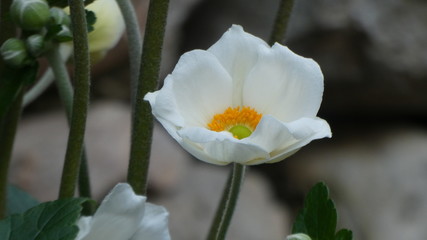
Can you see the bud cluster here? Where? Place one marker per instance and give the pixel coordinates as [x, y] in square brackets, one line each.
[41, 26]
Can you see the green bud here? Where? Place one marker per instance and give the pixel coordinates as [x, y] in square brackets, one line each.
[298, 236]
[14, 52]
[64, 35]
[58, 16]
[35, 44]
[30, 14]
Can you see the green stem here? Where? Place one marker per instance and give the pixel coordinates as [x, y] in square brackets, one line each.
[228, 202]
[142, 120]
[39, 87]
[135, 43]
[281, 22]
[9, 122]
[65, 90]
[80, 102]
[7, 136]
[62, 78]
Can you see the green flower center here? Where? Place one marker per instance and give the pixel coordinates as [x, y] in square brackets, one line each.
[240, 131]
[240, 121]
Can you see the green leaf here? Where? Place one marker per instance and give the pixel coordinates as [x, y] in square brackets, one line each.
[318, 219]
[11, 82]
[90, 20]
[344, 234]
[18, 201]
[47, 221]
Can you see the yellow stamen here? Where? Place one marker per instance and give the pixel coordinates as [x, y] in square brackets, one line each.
[240, 121]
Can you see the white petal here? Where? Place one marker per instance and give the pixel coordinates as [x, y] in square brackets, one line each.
[109, 25]
[84, 225]
[304, 131]
[270, 135]
[119, 215]
[201, 87]
[284, 85]
[165, 109]
[238, 52]
[222, 147]
[154, 225]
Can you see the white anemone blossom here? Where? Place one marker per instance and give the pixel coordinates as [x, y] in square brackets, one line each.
[123, 215]
[242, 101]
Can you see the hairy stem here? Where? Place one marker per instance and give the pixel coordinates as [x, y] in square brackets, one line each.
[65, 90]
[80, 102]
[228, 202]
[281, 22]
[142, 123]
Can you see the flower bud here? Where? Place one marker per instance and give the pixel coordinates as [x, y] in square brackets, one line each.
[58, 16]
[30, 14]
[35, 44]
[298, 236]
[14, 52]
[64, 35]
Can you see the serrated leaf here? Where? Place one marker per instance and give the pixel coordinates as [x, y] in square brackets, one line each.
[47, 221]
[344, 234]
[318, 219]
[11, 81]
[90, 20]
[18, 201]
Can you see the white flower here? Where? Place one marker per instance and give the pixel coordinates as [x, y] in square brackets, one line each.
[242, 101]
[298, 236]
[108, 29]
[123, 215]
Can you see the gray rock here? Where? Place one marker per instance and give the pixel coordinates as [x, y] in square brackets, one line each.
[193, 205]
[41, 142]
[367, 50]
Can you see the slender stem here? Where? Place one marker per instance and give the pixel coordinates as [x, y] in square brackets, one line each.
[80, 102]
[135, 43]
[84, 185]
[281, 22]
[65, 90]
[62, 78]
[228, 203]
[142, 123]
[39, 87]
[9, 122]
[7, 136]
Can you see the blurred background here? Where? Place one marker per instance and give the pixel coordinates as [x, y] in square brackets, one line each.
[373, 54]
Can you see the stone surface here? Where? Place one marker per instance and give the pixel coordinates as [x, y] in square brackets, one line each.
[41, 142]
[257, 215]
[367, 50]
[377, 179]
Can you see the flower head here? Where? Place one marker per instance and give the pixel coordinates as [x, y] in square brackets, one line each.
[108, 29]
[242, 101]
[123, 215]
